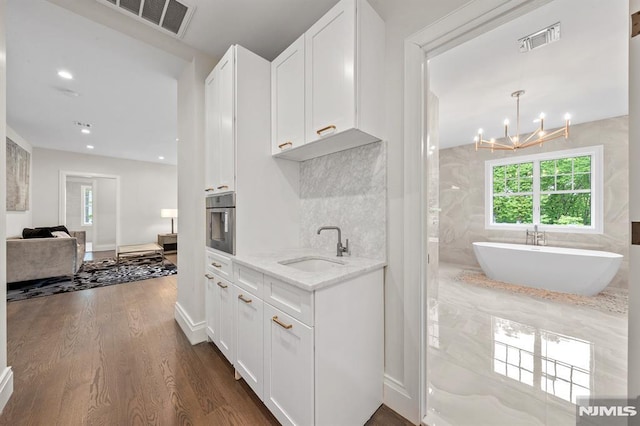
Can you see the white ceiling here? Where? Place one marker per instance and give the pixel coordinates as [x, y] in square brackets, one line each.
[127, 87]
[584, 74]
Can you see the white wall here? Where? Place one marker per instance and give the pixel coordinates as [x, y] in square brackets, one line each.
[191, 239]
[634, 210]
[402, 301]
[145, 188]
[104, 214]
[17, 221]
[6, 377]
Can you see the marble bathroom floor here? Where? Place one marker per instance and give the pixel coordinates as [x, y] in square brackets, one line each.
[499, 358]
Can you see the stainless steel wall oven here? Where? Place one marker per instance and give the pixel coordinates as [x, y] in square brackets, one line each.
[221, 222]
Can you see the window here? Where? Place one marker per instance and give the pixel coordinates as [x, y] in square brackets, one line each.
[87, 205]
[559, 191]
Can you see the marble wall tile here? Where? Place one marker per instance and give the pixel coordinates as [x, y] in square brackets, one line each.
[462, 196]
[347, 189]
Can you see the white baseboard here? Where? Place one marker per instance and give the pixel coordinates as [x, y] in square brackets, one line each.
[6, 387]
[103, 247]
[399, 400]
[195, 332]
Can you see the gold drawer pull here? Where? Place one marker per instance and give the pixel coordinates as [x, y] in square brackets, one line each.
[282, 145]
[281, 324]
[247, 301]
[209, 189]
[221, 285]
[209, 277]
[216, 265]
[324, 129]
[223, 187]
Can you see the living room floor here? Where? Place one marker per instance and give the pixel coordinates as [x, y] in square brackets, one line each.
[115, 355]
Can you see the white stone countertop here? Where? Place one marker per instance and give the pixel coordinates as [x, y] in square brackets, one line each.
[268, 263]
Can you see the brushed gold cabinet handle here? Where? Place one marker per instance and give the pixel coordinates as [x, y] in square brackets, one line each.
[221, 285]
[282, 145]
[281, 324]
[216, 265]
[324, 129]
[209, 189]
[209, 277]
[223, 187]
[241, 297]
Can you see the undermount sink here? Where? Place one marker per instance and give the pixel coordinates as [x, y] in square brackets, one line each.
[312, 264]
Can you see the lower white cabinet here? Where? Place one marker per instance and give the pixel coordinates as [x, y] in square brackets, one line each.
[220, 315]
[249, 339]
[288, 368]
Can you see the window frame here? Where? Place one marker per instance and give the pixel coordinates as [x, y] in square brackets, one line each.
[597, 193]
[83, 189]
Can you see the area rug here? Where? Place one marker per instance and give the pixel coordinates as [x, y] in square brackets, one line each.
[93, 274]
[609, 300]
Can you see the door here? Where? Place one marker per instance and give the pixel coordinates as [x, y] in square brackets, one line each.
[225, 337]
[287, 98]
[289, 369]
[330, 72]
[249, 342]
[226, 142]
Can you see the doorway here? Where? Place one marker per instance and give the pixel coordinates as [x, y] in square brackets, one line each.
[90, 202]
[539, 347]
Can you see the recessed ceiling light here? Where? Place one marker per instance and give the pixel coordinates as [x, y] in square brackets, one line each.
[85, 131]
[161, 158]
[65, 74]
[90, 146]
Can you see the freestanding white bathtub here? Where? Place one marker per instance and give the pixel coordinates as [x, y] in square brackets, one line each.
[566, 270]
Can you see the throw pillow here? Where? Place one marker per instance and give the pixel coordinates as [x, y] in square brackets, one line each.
[60, 234]
[36, 233]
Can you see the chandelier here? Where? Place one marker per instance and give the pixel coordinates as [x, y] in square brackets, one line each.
[511, 143]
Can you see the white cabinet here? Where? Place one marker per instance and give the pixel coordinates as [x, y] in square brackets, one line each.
[220, 129]
[287, 98]
[249, 344]
[343, 79]
[288, 368]
[219, 311]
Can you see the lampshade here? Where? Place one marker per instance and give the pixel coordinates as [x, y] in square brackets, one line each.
[168, 212]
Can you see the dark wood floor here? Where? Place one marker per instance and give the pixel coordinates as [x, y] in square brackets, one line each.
[115, 356]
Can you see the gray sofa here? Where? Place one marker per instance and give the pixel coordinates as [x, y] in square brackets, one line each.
[36, 258]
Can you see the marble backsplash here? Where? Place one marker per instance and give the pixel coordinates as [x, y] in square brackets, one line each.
[462, 196]
[347, 189]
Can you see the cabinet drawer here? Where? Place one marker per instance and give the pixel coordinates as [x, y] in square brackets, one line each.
[220, 265]
[291, 300]
[249, 279]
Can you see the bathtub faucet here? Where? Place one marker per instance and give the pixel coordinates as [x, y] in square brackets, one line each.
[536, 237]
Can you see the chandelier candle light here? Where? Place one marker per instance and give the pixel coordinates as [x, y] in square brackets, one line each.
[538, 137]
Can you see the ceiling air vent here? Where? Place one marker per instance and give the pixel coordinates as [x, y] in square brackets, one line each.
[540, 38]
[169, 16]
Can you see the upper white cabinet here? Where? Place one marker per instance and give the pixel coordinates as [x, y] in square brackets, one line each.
[343, 72]
[220, 129]
[287, 98]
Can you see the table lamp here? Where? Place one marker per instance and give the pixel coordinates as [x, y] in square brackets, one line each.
[172, 213]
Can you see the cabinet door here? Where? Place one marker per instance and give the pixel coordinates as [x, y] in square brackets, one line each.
[212, 130]
[210, 307]
[330, 72]
[287, 98]
[226, 144]
[249, 343]
[225, 338]
[288, 360]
